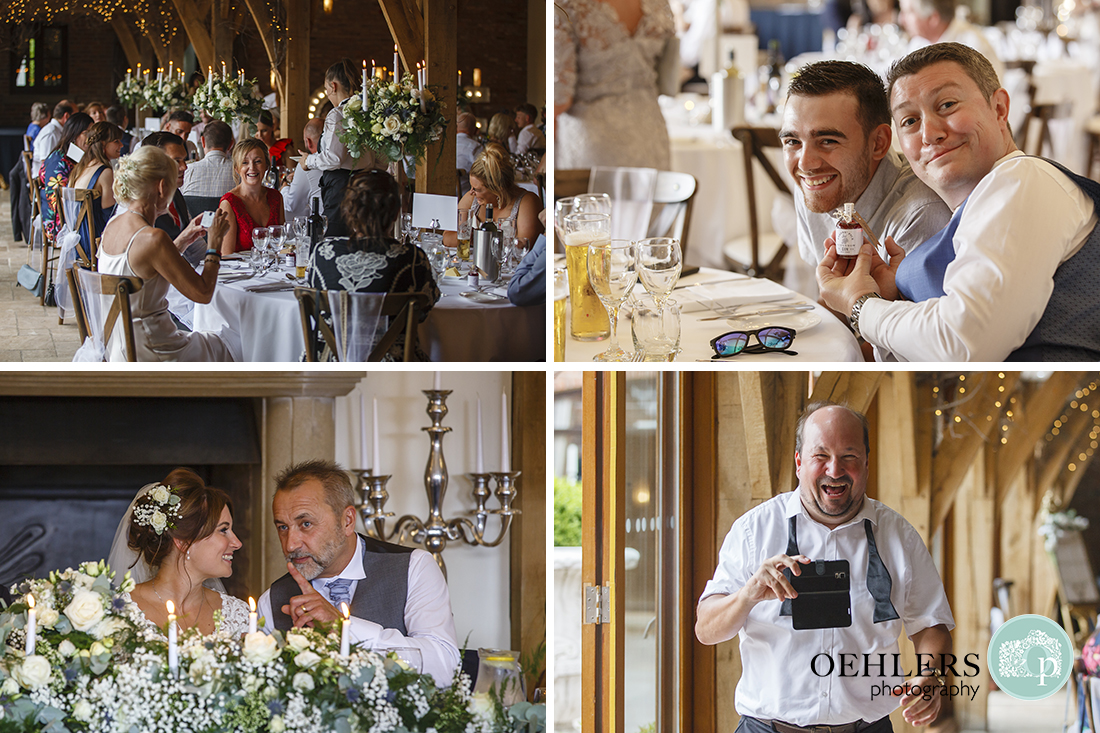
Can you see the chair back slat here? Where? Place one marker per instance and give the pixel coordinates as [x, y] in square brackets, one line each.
[755, 141]
[104, 301]
[338, 321]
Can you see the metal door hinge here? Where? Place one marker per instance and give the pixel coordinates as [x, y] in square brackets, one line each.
[597, 604]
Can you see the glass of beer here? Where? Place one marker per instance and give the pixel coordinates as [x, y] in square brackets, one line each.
[588, 319]
[464, 235]
[561, 294]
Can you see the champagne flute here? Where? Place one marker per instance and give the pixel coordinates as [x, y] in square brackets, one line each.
[660, 261]
[612, 270]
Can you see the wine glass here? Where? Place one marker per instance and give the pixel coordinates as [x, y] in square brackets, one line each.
[259, 242]
[660, 261]
[592, 203]
[277, 237]
[562, 208]
[612, 270]
[410, 655]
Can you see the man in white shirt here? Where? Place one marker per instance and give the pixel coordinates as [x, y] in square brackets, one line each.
[306, 184]
[939, 21]
[213, 175]
[787, 683]
[467, 148]
[47, 138]
[397, 595]
[1012, 276]
[180, 123]
[529, 135]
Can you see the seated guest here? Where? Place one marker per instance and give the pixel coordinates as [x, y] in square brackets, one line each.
[265, 128]
[46, 141]
[371, 260]
[500, 131]
[467, 148]
[305, 185]
[213, 174]
[96, 111]
[40, 117]
[180, 224]
[529, 136]
[528, 283]
[937, 21]
[836, 142]
[103, 143]
[117, 115]
[180, 123]
[145, 183]
[493, 181]
[1012, 275]
[57, 165]
[250, 204]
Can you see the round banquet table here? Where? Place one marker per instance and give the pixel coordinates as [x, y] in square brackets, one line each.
[829, 340]
[265, 326]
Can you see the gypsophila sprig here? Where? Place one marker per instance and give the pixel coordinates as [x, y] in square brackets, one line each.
[158, 509]
[228, 100]
[131, 91]
[398, 119]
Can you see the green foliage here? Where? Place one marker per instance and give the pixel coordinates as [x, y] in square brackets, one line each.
[567, 513]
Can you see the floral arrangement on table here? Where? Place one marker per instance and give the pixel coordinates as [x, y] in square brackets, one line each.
[96, 665]
[394, 119]
[229, 99]
[166, 94]
[1054, 524]
[131, 91]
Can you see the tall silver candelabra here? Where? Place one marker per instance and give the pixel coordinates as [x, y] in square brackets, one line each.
[434, 533]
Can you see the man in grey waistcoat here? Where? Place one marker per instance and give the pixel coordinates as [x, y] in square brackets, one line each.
[397, 595]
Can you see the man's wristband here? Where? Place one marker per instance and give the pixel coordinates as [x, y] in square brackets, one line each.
[853, 319]
[213, 253]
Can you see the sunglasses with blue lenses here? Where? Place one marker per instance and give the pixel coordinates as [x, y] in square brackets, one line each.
[773, 338]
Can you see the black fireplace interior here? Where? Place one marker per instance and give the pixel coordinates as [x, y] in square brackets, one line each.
[69, 467]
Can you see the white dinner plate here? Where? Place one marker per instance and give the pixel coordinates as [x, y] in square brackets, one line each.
[480, 297]
[800, 322]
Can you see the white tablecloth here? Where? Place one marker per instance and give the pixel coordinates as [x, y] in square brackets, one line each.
[267, 327]
[829, 340]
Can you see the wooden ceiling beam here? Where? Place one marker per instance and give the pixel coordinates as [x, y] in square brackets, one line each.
[854, 389]
[126, 38]
[406, 24]
[263, 25]
[1054, 462]
[194, 25]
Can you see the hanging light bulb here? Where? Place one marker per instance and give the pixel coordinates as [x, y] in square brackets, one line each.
[328, 6]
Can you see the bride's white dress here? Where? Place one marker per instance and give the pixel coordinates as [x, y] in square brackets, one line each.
[234, 615]
[611, 77]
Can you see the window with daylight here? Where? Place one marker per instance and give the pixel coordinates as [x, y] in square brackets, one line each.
[40, 61]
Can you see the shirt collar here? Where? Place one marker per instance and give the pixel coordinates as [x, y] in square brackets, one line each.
[354, 568]
[794, 507]
[889, 168]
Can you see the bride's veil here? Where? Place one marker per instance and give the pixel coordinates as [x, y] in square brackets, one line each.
[122, 558]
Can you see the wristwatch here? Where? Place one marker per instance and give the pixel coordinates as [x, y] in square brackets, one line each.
[853, 319]
[933, 672]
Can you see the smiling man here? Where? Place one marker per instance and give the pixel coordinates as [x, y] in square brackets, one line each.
[397, 595]
[1012, 276]
[788, 684]
[836, 144]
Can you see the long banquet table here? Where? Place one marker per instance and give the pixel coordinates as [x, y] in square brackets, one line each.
[828, 340]
[265, 326]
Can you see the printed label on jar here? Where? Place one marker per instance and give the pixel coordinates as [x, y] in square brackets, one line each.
[848, 242]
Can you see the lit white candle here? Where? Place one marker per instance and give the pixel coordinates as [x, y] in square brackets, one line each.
[252, 615]
[375, 464]
[32, 625]
[396, 64]
[505, 458]
[345, 630]
[480, 452]
[171, 68]
[173, 641]
[373, 69]
[460, 78]
[160, 79]
[364, 83]
[223, 71]
[362, 431]
[209, 78]
[128, 75]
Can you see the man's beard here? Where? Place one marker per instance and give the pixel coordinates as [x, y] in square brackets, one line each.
[320, 560]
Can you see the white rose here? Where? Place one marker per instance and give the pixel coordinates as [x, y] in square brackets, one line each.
[303, 682]
[260, 648]
[480, 704]
[108, 627]
[297, 642]
[226, 103]
[158, 521]
[67, 648]
[160, 494]
[276, 725]
[47, 617]
[391, 126]
[376, 129]
[97, 649]
[83, 710]
[10, 687]
[85, 610]
[307, 659]
[34, 672]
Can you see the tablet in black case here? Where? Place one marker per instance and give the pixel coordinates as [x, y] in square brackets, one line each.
[824, 595]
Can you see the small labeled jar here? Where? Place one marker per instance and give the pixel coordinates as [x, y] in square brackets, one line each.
[849, 234]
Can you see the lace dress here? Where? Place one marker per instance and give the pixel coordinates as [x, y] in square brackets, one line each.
[234, 615]
[611, 78]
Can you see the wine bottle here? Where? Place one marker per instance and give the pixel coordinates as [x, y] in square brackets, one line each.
[316, 224]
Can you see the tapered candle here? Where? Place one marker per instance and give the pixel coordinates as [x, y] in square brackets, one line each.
[345, 630]
[477, 77]
[171, 67]
[374, 462]
[436, 382]
[32, 626]
[128, 75]
[209, 78]
[505, 458]
[480, 452]
[362, 431]
[460, 78]
[223, 71]
[373, 69]
[364, 84]
[173, 642]
[396, 64]
[252, 615]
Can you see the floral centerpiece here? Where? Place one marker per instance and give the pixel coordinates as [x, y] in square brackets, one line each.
[1054, 524]
[131, 91]
[166, 94]
[227, 100]
[99, 666]
[396, 119]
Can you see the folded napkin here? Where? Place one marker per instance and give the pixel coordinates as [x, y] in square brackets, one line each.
[737, 292]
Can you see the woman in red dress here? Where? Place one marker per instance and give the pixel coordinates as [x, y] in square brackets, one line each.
[250, 203]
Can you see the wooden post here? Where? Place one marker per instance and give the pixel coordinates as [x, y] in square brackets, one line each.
[771, 403]
[1017, 539]
[295, 103]
[437, 172]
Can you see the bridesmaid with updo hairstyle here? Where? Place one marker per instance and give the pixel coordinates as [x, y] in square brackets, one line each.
[182, 533]
[493, 181]
[332, 156]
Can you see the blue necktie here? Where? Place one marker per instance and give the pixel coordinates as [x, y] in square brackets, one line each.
[339, 591]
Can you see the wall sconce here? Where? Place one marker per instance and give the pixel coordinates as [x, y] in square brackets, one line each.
[328, 7]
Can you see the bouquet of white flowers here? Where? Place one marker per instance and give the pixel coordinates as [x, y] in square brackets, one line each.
[229, 100]
[131, 91]
[167, 94]
[397, 119]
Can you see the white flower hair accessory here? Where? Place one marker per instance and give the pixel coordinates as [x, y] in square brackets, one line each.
[158, 509]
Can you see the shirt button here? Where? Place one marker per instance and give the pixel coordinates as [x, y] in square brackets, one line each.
[824, 694]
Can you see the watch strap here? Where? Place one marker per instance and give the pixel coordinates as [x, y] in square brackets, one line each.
[857, 307]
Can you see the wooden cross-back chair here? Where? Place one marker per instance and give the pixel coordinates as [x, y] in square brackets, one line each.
[765, 252]
[321, 321]
[32, 190]
[82, 199]
[99, 301]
